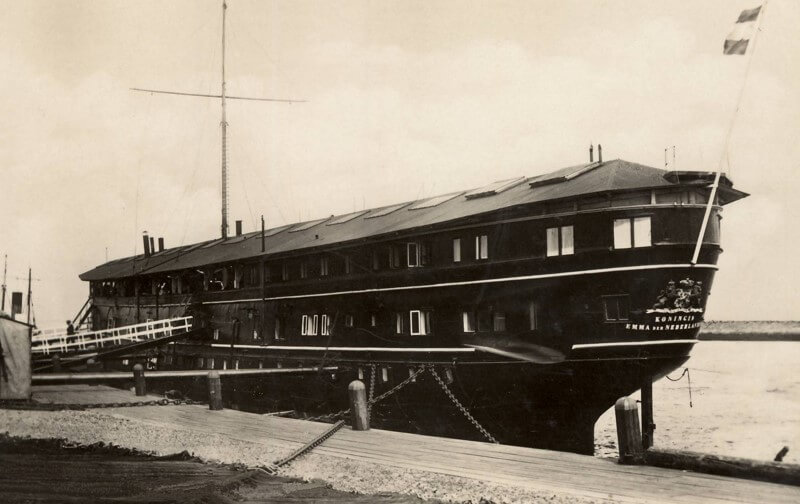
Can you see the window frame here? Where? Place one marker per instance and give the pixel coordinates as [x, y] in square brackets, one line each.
[560, 248]
[456, 250]
[482, 247]
[617, 298]
[632, 240]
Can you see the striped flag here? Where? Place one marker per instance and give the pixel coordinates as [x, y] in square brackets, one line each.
[744, 29]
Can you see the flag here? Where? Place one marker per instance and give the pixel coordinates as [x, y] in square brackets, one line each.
[744, 29]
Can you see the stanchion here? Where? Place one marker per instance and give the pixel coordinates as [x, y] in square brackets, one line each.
[629, 434]
[358, 405]
[214, 391]
[138, 380]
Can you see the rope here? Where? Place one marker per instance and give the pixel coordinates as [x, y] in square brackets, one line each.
[688, 377]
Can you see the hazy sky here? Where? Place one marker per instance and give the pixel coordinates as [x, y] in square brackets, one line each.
[405, 99]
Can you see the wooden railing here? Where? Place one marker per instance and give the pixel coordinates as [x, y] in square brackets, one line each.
[57, 340]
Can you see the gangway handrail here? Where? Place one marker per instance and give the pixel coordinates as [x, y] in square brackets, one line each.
[62, 342]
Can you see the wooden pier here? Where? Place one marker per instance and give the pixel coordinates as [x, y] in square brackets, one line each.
[561, 473]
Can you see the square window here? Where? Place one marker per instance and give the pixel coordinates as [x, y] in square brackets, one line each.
[616, 308]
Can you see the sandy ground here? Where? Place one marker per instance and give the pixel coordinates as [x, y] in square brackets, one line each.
[89, 427]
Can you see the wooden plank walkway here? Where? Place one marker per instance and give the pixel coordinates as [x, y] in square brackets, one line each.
[542, 470]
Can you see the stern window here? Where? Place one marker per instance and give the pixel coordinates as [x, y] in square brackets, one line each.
[616, 308]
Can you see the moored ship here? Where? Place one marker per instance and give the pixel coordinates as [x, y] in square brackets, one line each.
[539, 300]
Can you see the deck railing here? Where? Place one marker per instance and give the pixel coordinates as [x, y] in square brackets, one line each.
[55, 340]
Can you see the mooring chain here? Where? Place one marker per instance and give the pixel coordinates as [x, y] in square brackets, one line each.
[461, 406]
[371, 388]
[275, 466]
[370, 402]
[87, 406]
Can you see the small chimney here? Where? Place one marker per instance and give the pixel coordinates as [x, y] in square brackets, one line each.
[160, 244]
[591, 153]
[238, 228]
[146, 242]
[152, 245]
[599, 153]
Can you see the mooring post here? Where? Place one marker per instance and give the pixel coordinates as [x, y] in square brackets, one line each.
[56, 363]
[629, 435]
[214, 391]
[648, 427]
[358, 405]
[138, 380]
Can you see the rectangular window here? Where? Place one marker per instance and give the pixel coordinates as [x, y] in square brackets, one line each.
[376, 260]
[326, 325]
[533, 315]
[632, 232]
[622, 233]
[468, 319]
[267, 274]
[498, 322]
[616, 308]
[567, 240]
[419, 322]
[373, 320]
[216, 334]
[641, 232]
[412, 253]
[482, 247]
[348, 264]
[315, 326]
[278, 328]
[323, 266]
[211, 363]
[560, 241]
[304, 325]
[285, 272]
[484, 321]
[348, 321]
[394, 256]
[456, 250]
[399, 323]
[303, 269]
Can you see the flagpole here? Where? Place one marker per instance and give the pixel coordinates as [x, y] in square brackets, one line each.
[718, 174]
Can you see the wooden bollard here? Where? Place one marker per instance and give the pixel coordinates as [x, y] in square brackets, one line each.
[629, 435]
[56, 363]
[214, 391]
[138, 380]
[358, 405]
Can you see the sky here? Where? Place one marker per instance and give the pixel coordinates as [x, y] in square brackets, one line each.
[404, 99]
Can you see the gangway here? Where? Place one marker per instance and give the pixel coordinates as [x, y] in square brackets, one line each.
[58, 341]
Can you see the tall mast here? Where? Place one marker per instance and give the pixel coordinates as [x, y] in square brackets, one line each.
[224, 125]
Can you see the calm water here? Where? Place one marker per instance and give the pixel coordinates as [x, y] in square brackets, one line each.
[745, 403]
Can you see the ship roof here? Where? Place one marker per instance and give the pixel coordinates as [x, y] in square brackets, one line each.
[567, 183]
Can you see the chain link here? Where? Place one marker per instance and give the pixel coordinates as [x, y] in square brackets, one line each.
[461, 407]
[371, 389]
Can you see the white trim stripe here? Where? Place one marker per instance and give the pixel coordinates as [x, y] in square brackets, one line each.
[345, 349]
[636, 343]
[474, 282]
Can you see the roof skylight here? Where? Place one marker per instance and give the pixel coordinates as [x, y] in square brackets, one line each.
[385, 211]
[432, 202]
[494, 188]
[346, 218]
